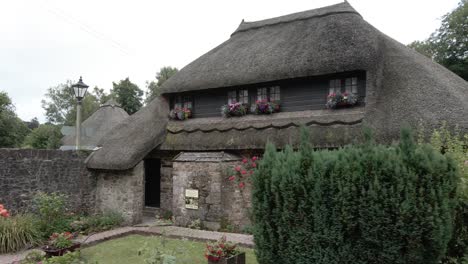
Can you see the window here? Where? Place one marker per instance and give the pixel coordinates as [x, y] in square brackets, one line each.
[275, 93]
[351, 85]
[183, 102]
[262, 94]
[244, 96]
[335, 86]
[232, 97]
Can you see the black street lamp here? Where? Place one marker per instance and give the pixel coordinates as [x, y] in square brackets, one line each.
[80, 91]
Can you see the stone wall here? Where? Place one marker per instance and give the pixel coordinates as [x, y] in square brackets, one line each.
[122, 191]
[220, 202]
[166, 185]
[23, 172]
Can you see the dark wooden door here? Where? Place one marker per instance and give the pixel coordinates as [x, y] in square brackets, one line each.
[152, 182]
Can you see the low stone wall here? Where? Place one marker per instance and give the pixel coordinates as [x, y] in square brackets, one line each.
[220, 202]
[23, 172]
[123, 192]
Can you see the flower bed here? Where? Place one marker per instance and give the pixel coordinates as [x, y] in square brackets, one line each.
[60, 243]
[240, 174]
[180, 113]
[223, 252]
[265, 107]
[234, 109]
[336, 100]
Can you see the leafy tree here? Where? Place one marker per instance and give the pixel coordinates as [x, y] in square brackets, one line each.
[154, 87]
[46, 136]
[12, 129]
[128, 95]
[448, 45]
[34, 123]
[60, 104]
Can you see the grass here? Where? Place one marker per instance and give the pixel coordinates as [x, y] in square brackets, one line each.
[125, 250]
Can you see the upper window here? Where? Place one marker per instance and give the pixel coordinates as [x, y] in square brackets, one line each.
[183, 102]
[335, 86]
[262, 94]
[232, 97]
[275, 93]
[244, 96]
[351, 85]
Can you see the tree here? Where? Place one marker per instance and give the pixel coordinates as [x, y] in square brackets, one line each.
[154, 87]
[128, 95]
[60, 104]
[12, 129]
[448, 45]
[46, 136]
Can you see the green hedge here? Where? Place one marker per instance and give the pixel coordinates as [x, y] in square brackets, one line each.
[361, 204]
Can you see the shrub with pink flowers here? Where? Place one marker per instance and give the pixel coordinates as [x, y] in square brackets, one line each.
[240, 174]
[4, 212]
[234, 109]
[335, 100]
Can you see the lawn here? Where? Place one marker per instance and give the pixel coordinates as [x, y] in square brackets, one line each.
[125, 250]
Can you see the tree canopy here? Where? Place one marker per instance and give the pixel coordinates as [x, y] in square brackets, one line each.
[46, 136]
[128, 95]
[448, 45]
[154, 87]
[12, 129]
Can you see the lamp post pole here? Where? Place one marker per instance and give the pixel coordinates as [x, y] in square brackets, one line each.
[78, 125]
[80, 91]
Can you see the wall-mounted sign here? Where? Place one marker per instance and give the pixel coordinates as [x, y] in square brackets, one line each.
[191, 199]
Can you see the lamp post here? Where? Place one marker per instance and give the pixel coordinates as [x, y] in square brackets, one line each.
[79, 89]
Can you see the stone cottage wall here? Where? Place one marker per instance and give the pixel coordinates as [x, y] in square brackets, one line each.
[166, 185]
[122, 191]
[23, 172]
[220, 202]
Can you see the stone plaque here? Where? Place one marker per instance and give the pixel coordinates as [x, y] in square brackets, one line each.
[191, 199]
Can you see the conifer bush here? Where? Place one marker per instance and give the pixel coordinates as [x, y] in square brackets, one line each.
[360, 204]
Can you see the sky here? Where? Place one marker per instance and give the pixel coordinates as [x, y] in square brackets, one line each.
[46, 42]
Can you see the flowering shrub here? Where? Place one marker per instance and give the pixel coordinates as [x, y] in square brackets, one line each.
[240, 174]
[4, 212]
[335, 100]
[61, 240]
[265, 107]
[215, 251]
[234, 109]
[180, 113]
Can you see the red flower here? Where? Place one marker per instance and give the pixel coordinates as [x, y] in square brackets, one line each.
[251, 172]
[254, 165]
[238, 168]
[244, 160]
[254, 158]
[232, 178]
[241, 185]
[243, 172]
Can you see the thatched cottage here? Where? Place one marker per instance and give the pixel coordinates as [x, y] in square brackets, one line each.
[296, 60]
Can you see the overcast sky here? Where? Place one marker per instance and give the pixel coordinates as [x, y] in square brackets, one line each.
[46, 42]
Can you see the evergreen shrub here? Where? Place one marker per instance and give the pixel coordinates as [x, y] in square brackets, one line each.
[360, 204]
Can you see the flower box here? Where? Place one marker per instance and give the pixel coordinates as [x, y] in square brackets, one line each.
[53, 252]
[338, 100]
[180, 113]
[234, 109]
[237, 259]
[264, 107]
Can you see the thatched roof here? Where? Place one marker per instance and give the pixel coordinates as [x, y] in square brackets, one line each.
[402, 86]
[130, 141]
[97, 125]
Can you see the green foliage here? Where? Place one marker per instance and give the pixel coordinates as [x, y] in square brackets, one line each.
[156, 255]
[68, 258]
[105, 221]
[448, 44]
[195, 224]
[46, 136]
[128, 95]
[154, 87]
[12, 129]
[60, 104]
[18, 232]
[33, 257]
[454, 144]
[52, 213]
[360, 204]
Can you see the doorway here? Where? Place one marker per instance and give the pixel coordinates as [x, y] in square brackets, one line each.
[152, 182]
